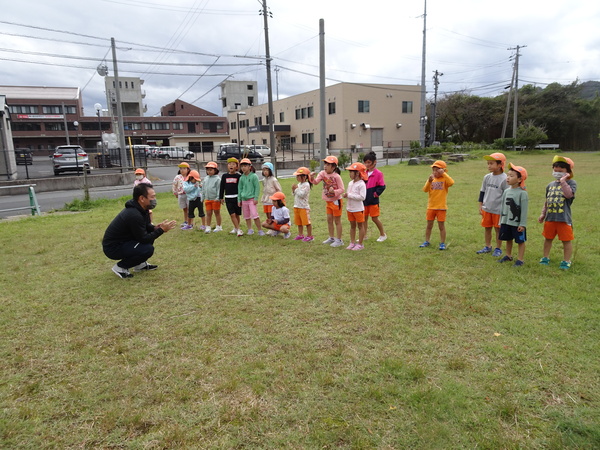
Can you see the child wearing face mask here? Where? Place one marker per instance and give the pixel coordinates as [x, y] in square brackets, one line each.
[556, 213]
[140, 177]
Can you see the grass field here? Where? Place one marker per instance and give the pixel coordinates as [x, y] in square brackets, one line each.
[264, 343]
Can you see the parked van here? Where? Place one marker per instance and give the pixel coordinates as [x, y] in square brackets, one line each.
[173, 152]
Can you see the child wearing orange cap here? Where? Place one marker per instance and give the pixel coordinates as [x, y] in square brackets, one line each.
[248, 194]
[356, 194]
[301, 191]
[228, 194]
[184, 170]
[333, 188]
[490, 201]
[210, 194]
[279, 222]
[437, 187]
[513, 215]
[192, 189]
[140, 177]
[556, 213]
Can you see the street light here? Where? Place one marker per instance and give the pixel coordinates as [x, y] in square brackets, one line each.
[76, 126]
[241, 113]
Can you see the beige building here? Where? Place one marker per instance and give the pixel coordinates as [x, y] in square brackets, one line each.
[131, 92]
[358, 117]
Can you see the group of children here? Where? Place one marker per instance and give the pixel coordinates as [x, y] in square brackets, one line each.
[503, 205]
[239, 190]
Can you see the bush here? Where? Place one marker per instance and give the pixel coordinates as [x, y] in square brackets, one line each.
[503, 143]
[344, 159]
[314, 164]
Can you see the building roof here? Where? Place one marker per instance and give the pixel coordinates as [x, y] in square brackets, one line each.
[40, 92]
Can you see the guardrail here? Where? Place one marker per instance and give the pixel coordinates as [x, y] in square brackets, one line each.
[34, 207]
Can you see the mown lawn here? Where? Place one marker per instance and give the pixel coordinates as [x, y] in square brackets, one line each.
[263, 343]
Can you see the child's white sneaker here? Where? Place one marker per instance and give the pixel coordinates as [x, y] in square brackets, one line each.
[217, 229]
[207, 229]
[240, 232]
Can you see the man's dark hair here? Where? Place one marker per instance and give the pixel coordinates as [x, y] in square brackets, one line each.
[141, 190]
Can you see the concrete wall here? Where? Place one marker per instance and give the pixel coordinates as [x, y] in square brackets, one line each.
[67, 183]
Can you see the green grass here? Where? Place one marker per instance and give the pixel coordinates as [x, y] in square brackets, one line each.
[263, 343]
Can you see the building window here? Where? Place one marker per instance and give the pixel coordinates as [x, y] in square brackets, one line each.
[281, 117]
[311, 111]
[132, 126]
[233, 126]
[250, 101]
[267, 119]
[297, 114]
[250, 87]
[54, 126]
[156, 126]
[224, 102]
[71, 109]
[132, 87]
[363, 106]
[331, 106]
[23, 109]
[126, 85]
[25, 126]
[258, 121]
[178, 125]
[308, 138]
[332, 138]
[407, 107]
[55, 109]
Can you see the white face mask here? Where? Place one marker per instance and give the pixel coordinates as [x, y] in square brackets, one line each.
[558, 175]
[139, 177]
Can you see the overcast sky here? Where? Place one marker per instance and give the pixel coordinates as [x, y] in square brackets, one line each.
[185, 48]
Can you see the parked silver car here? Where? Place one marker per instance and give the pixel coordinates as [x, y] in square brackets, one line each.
[69, 158]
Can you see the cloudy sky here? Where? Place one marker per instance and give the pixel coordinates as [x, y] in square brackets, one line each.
[185, 48]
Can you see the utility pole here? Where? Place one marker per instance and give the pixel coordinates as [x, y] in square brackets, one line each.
[506, 112]
[423, 117]
[277, 69]
[516, 106]
[436, 82]
[322, 119]
[271, 124]
[121, 130]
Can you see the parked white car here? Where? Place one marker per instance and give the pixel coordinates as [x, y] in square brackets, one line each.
[173, 152]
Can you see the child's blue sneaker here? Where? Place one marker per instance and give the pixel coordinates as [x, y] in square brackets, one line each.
[485, 249]
[505, 259]
[565, 265]
[497, 252]
[424, 244]
[518, 263]
[442, 246]
[545, 261]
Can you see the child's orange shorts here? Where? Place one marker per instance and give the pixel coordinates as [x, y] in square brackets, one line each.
[212, 205]
[439, 214]
[371, 210]
[301, 216]
[356, 216]
[489, 220]
[333, 209]
[564, 231]
[267, 209]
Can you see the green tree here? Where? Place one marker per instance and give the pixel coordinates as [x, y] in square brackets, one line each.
[529, 135]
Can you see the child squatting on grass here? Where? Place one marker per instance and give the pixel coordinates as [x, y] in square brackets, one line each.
[210, 195]
[356, 194]
[333, 189]
[248, 194]
[556, 213]
[301, 192]
[513, 216]
[490, 202]
[437, 187]
[280, 217]
[375, 187]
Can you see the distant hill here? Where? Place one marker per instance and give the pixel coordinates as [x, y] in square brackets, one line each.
[590, 89]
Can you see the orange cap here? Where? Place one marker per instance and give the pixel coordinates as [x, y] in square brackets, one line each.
[302, 171]
[360, 168]
[140, 172]
[193, 174]
[211, 165]
[183, 164]
[522, 171]
[246, 161]
[439, 164]
[278, 196]
[331, 160]
[496, 157]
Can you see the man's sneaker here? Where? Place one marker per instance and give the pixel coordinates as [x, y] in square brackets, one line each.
[337, 243]
[239, 232]
[424, 244]
[358, 247]
[505, 258]
[250, 232]
[217, 229]
[329, 240]
[188, 227]
[497, 253]
[261, 233]
[442, 246]
[485, 249]
[518, 263]
[287, 235]
[120, 272]
[234, 231]
[144, 266]
[308, 239]
[565, 265]
[382, 238]
[351, 246]
[545, 261]
[207, 229]
[299, 238]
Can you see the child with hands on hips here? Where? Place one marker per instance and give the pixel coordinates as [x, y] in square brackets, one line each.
[333, 189]
[356, 194]
[248, 193]
[301, 192]
[279, 222]
[513, 215]
[270, 186]
[437, 186]
[556, 213]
